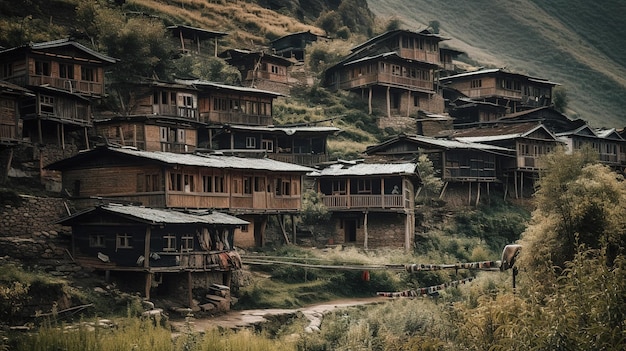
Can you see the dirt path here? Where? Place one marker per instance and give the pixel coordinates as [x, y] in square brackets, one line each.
[238, 319]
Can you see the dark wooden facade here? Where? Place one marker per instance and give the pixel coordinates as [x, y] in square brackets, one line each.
[512, 90]
[292, 46]
[359, 195]
[254, 188]
[193, 40]
[227, 104]
[606, 142]
[60, 64]
[10, 122]
[260, 70]
[303, 145]
[155, 243]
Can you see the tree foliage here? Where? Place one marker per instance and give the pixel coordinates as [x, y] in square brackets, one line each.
[430, 183]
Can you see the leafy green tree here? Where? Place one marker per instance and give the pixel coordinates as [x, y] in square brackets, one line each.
[313, 209]
[431, 184]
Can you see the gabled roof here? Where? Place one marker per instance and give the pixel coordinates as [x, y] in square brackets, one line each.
[154, 216]
[393, 33]
[502, 132]
[203, 84]
[173, 159]
[284, 130]
[392, 55]
[584, 130]
[13, 89]
[611, 134]
[494, 72]
[239, 54]
[436, 143]
[202, 33]
[307, 34]
[62, 43]
[366, 169]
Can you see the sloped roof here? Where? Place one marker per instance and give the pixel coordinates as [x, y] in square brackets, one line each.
[609, 134]
[387, 55]
[445, 144]
[392, 33]
[199, 83]
[500, 132]
[285, 130]
[365, 169]
[156, 216]
[200, 160]
[493, 71]
[202, 33]
[60, 43]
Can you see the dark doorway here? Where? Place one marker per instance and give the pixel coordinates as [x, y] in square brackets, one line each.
[349, 229]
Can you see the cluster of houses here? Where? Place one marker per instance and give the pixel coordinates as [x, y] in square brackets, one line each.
[191, 169]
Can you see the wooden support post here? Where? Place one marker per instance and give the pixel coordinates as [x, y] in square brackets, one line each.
[515, 179]
[478, 194]
[190, 289]
[146, 248]
[62, 137]
[39, 131]
[87, 139]
[182, 41]
[388, 101]
[282, 228]
[408, 103]
[148, 285]
[293, 228]
[521, 184]
[369, 101]
[443, 190]
[469, 195]
[407, 232]
[5, 172]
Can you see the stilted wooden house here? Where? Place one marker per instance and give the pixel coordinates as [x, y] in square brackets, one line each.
[468, 113]
[292, 46]
[530, 141]
[10, 124]
[228, 104]
[303, 145]
[474, 165]
[372, 205]
[251, 188]
[162, 252]
[261, 70]
[606, 142]
[193, 40]
[395, 73]
[65, 77]
[159, 116]
[513, 90]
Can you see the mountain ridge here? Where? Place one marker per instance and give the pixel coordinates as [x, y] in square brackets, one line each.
[557, 40]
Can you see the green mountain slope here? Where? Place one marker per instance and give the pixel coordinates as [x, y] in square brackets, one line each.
[576, 43]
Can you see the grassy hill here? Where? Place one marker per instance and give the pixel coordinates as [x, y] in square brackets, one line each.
[576, 43]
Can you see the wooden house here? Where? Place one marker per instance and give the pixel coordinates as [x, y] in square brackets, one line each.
[457, 163]
[303, 145]
[60, 64]
[554, 120]
[530, 140]
[372, 204]
[512, 90]
[446, 58]
[228, 104]
[10, 124]
[260, 70]
[394, 72]
[468, 113]
[159, 250]
[292, 46]
[606, 142]
[159, 116]
[193, 40]
[252, 188]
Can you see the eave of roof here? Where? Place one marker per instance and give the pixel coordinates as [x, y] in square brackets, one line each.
[199, 83]
[61, 43]
[366, 169]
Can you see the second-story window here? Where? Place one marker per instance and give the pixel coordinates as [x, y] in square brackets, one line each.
[186, 243]
[7, 70]
[364, 186]
[42, 68]
[339, 187]
[66, 71]
[267, 145]
[124, 241]
[476, 83]
[247, 185]
[250, 142]
[96, 240]
[169, 243]
[46, 104]
[88, 74]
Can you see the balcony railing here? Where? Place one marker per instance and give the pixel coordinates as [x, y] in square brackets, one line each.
[229, 117]
[386, 78]
[71, 85]
[363, 201]
[300, 159]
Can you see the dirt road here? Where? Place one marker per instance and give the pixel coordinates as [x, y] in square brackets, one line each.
[238, 319]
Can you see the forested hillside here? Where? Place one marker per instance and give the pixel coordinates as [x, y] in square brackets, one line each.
[578, 44]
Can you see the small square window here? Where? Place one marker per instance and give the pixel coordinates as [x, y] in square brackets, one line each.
[124, 241]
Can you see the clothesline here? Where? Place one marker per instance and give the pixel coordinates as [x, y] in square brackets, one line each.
[485, 265]
[425, 291]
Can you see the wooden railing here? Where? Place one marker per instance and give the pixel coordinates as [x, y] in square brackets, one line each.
[363, 201]
[228, 117]
[177, 111]
[386, 78]
[300, 159]
[71, 85]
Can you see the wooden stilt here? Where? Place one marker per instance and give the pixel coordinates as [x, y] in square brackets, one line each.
[365, 240]
[189, 289]
[478, 194]
[515, 179]
[148, 285]
[443, 190]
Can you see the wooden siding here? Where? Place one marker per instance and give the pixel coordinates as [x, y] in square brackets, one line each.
[231, 108]
[386, 74]
[9, 121]
[74, 85]
[380, 201]
[57, 106]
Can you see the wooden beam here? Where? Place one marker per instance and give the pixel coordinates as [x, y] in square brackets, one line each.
[369, 101]
[365, 241]
[146, 248]
[293, 228]
[189, 289]
[388, 101]
[148, 285]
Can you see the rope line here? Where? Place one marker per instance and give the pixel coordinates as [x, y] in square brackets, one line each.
[425, 291]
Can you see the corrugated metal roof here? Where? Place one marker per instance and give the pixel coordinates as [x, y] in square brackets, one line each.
[361, 169]
[458, 144]
[165, 216]
[65, 42]
[214, 161]
[206, 83]
[495, 70]
[286, 130]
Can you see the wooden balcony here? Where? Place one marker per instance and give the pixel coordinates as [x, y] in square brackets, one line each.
[386, 79]
[378, 201]
[420, 55]
[71, 85]
[300, 159]
[177, 147]
[176, 111]
[281, 78]
[228, 117]
[482, 92]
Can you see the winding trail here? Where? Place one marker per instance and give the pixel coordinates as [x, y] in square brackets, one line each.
[240, 319]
